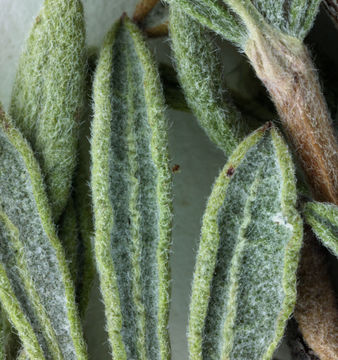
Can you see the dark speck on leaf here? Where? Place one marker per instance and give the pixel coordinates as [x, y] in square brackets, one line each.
[230, 171]
[175, 168]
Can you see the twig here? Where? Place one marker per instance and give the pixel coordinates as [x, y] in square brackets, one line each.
[316, 309]
[143, 8]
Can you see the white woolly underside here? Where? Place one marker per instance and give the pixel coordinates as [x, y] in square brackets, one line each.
[250, 230]
[19, 204]
[16, 19]
[7, 258]
[145, 209]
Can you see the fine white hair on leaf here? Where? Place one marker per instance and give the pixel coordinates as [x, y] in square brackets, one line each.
[323, 218]
[131, 187]
[244, 284]
[42, 269]
[48, 93]
[199, 70]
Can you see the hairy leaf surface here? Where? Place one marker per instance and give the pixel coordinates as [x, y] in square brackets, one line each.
[131, 186]
[244, 286]
[323, 218]
[199, 70]
[48, 93]
[32, 258]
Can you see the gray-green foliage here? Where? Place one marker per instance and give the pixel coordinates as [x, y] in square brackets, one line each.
[68, 233]
[76, 223]
[293, 17]
[131, 187]
[84, 215]
[48, 93]
[200, 74]
[235, 19]
[215, 16]
[2, 335]
[323, 218]
[10, 343]
[244, 285]
[37, 291]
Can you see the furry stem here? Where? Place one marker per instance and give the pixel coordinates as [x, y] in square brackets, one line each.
[316, 307]
[284, 65]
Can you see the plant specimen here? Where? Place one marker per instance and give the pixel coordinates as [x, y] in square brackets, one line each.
[131, 184]
[86, 184]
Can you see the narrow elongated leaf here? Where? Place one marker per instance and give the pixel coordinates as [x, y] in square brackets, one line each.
[215, 16]
[199, 71]
[23, 355]
[33, 262]
[48, 93]
[238, 20]
[131, 187]
[13, 260]
[323, 218]
[76, 223]
[69, 236]
[244, 286]
[18, 318]
[2, 335]
[82, 197]
[293, 17]
[76, 230]
[273, 10]
[10, 337]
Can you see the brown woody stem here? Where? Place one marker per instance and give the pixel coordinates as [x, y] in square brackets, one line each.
[316, 308]
[143, 8]
[284, 65]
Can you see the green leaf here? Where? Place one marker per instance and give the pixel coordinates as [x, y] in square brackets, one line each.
[293, 18]
[18, 318]
[131, 187]
[48, 93]
[2, 335]
[69, 236]
[199, 71]
[82, 197]
[302, 14]
[33, 267]
[274, 11]
[76, 223]
[238, 20]
[23, 355]
[13, 259]
[244, 285]
[323, 218]
[9, 338]
[215, 16]
[173, 93]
